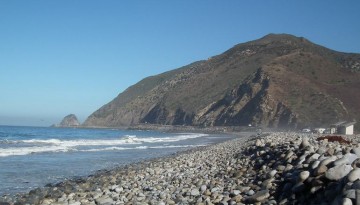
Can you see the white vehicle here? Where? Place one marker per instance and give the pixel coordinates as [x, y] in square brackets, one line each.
[306, 130]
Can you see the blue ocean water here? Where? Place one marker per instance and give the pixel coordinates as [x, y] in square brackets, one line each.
[32, 157]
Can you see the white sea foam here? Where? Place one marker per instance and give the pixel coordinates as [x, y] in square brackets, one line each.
[57, 145]
[128, 139]
[176, 146]
[141, 147]
[170, 139]
[105, 149]
[31, 150]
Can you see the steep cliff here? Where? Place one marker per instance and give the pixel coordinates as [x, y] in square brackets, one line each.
[276, 81]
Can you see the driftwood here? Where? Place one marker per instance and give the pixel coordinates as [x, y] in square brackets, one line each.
[332, 138]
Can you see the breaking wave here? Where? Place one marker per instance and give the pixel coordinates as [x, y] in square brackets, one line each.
[32, 146]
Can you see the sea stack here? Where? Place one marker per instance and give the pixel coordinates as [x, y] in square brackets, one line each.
[69, 121]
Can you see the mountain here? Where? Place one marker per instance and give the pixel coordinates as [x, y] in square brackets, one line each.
[277, 81]
[69, 121]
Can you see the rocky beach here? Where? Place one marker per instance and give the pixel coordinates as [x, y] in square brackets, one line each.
[275, 168]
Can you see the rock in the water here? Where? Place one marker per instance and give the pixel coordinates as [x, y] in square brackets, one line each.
[68, 121]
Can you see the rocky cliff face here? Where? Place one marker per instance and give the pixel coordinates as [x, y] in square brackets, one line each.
[276, 81]
[250, 103]
[69, 121]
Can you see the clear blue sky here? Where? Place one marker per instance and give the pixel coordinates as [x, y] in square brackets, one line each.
[65, 56]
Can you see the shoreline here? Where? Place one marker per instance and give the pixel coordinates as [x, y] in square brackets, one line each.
[183, 128]
[36, 195]
[275, 168]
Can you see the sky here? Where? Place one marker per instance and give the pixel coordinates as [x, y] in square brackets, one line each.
[64, 56]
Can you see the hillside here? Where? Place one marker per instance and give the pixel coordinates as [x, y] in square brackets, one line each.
[277, 81]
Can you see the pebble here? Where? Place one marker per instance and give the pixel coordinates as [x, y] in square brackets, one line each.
[277, 168]
[347, 201]
[356, 150]
[259, 196]
[195, 192]
[338, 172]
[305, 142]
[346, 159]
[304, 175]
[272, 173]
[236, 192]
[354, 175]
[250, 192]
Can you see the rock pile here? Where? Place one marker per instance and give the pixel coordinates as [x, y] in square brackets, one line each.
[300, 169]
[280, 168]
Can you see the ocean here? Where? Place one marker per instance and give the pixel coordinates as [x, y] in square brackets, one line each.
[32, 157]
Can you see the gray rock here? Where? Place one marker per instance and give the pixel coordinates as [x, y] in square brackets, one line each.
[281, 168]
[215, 189]
[327, 161]
[259, 143]
[203, 188]
[119, 189]
[330, 151]
[250, 192]
[304, 175]
[258, 196]
[104, 200]
[315, 189]
[350, 194]
[347, 201]
[356, 150]
[272, 173]
[357, 196]
[171, 202]
[356, 185]
[195, 192]
[69, 121]
[338, 172]
[314, 156]
[321, 169]
[321, 150]
[236, 192]
[315, 164]
[356, 163]
[289, 154]
[305, 142]
[75, 203]
[299, 187]
[59, 203]
[354, 175]
[348, 158]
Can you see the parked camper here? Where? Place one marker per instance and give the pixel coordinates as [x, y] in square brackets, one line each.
[343, 128]
[319, 130]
